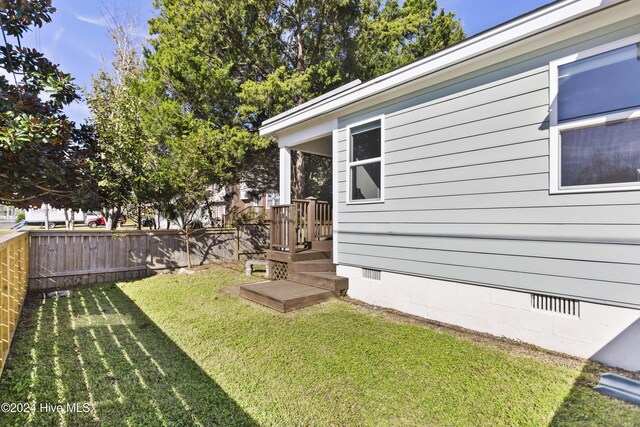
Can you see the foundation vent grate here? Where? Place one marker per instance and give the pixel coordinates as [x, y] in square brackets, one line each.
[566, 306]
[368, 273]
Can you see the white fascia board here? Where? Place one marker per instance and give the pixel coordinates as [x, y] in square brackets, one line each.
[308, 131]
[527, 26]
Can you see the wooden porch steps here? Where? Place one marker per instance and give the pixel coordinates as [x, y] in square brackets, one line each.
[284, 295]
[322, 245]
[311, 279]
[301, 253]
[324, 280]
[307, 255]
[314, 265]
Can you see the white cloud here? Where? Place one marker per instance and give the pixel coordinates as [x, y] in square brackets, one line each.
[100, 22]
[56, 36]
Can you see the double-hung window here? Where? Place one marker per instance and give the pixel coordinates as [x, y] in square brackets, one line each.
[364, 162]
[595, 119]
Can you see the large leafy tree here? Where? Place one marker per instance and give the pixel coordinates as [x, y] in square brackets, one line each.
[122, 165]
[392, 35]
[41, 154]
[233, 64]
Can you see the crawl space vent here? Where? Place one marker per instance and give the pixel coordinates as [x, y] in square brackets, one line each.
[566, 306]
[368, 273]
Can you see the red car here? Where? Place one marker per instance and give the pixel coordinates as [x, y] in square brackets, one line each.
[94, 220]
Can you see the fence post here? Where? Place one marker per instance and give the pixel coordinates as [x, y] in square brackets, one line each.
[237, 241]
[147, 254]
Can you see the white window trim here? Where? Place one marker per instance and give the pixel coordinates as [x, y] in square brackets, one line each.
[555, 128]
[367, 161]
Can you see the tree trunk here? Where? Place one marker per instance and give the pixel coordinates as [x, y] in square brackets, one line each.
[208, 205]
[298, 189]
[300, 66]
[46, 216]
[68, 219]
[108, 225]
[116, 218]
[186, 238]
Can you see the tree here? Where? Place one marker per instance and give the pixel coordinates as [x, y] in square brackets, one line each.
[39, 150]
[235, 64]
[392, 35]
[115, 113]
[186, 178]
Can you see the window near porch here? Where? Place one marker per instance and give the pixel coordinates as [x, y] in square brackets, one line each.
[365, 162]
[595, 119]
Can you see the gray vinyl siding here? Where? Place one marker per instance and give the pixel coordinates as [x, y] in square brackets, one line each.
[467, 191]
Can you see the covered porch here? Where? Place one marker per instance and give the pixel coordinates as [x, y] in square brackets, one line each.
[301, 228]
[300, 255]
[302, 235]
[297, 224]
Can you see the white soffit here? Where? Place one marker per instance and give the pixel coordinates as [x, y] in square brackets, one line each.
[526, 26]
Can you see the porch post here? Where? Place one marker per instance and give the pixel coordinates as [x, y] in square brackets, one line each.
[335, 202]
[285, 176]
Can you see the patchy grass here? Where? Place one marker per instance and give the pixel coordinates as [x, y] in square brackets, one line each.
[174, 350]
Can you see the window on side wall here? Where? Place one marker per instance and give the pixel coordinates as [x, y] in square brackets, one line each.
[595, 119]
[364, 162]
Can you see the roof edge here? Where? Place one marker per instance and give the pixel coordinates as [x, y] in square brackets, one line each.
[533, 22]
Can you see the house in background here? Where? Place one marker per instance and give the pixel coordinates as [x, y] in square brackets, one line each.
[8, 213]
[245, 201]
[495, 185]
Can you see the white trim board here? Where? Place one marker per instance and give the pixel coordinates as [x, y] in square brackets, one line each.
[335, 202]
[531, 24]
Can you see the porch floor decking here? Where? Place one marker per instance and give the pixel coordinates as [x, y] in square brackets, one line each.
[284, 295]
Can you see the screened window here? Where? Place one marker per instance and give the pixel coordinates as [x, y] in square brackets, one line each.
[365, 162]
[608, 154]
[595, 120]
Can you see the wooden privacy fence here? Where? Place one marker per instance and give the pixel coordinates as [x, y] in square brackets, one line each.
[14, 259]
[62, 259]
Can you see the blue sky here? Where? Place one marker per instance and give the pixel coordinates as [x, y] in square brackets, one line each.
[479, 15]
[77, 38]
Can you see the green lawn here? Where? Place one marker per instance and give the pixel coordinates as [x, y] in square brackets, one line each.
[174, 350]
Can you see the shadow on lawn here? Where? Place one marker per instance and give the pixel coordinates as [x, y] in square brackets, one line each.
[98, 347]
[585, 406]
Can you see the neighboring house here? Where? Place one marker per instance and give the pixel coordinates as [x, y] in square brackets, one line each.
[264, 199]
[495, 185]
[246, 199]
[8, 213]
[215, 213]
